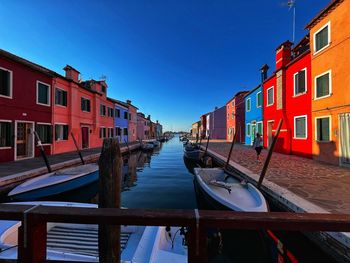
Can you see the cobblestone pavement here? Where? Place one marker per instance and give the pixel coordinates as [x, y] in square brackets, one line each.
[325, 185]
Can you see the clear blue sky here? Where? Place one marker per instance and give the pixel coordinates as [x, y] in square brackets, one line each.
[175, 59]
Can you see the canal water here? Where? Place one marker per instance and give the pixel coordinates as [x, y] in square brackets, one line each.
[164, 179]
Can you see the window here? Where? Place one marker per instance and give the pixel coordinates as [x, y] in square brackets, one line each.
[248, 130]
[323, 85]
[110, 112]
[85, 105]
[43, 93]
[61, 132]
[248, 106]
[125, 131]
[129, 116]
[125, 115]
[323, 129]
[258, 99]
[6, 135]
[322, 38]
[117, 113]
[119, 131]
[300, 82]
[110, 132]
[233, 115]
[5, 83]
[228, 115]
[269, 96]
[233, 103]
[103, 89]
[103, 132]
[300, 130]
[102, 110]
[44, 132]
[60, 97]
[259, 127]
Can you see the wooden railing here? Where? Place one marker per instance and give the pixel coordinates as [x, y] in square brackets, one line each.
[32, 234]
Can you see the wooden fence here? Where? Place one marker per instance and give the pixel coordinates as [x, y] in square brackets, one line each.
[32, 234]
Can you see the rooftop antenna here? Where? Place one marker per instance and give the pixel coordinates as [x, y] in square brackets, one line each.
[103, 77]
[291, 5]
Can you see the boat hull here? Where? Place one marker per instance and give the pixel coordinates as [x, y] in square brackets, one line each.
[57, 189]
[195, 155]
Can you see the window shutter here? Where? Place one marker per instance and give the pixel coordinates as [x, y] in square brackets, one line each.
[56, 132]
[50, 134]
[301, 81]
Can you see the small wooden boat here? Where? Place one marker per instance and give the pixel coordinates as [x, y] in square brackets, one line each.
[193, 152]
[79, 242]
[55, 183]
[155, 143]
[226, 191]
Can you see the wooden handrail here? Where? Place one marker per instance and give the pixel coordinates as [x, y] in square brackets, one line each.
[36, 218]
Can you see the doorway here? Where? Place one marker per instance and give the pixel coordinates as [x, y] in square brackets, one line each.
[344, 138]
[253, 134]
[24, 140]
[84, 137]
[269, 133]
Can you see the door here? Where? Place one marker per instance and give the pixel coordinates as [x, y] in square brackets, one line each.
[269, 133]
[253, 134]
[85, 137]
[344, 137]
[24, 140]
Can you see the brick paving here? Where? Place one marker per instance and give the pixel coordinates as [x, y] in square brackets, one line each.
[325, 185]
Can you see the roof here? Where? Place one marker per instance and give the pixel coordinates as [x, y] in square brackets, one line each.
[237, 94]
[121, 103]
[251, 91]
[39, 68]
[323, 13]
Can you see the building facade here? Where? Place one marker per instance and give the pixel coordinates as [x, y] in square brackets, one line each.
[121, 121]
[142, 126]
[330, 56]
[159, 130]
[195, 131]
[235, 117]
[218, 123]
[253, 114]
[132, 124]
[25, 106]
[203, 128]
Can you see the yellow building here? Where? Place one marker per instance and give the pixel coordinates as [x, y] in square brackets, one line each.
[195, 129]
[330, 71]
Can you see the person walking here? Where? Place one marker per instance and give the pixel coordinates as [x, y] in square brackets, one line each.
[257, 144]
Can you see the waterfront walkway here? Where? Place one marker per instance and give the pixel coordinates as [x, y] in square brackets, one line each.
[322, 184]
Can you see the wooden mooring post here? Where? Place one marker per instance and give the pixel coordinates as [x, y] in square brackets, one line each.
[78, 150]
[231, 148]
[110, 167]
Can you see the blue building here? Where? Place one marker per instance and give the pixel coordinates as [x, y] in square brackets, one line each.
[121, 120]
[253, 114]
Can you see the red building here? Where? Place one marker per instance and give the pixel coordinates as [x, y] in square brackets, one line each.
[235, 120]
[25, 105]
[287, 96]
[203, 128]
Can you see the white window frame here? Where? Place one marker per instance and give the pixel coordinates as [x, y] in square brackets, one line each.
[59, 105]
[258, 100]
[329, 37]
[52, 127]
[330, 85]
[7, 147]
[250, 129]
[48, 94]
[54, 134]
[250, 104]
[88, 100]
[103, 127]
[267, 96]
[295, 130]
[11, 83]
[300, 94]
[330, 128]
[262, 127]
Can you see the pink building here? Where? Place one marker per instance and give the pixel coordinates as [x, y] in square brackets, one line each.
[132, 124]
[143, 128]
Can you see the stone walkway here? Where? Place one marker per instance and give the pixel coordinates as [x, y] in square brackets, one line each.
[325, 185]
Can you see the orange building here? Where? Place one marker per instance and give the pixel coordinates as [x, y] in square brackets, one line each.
[330, 56]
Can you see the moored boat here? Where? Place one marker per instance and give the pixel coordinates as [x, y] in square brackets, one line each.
[79, 242]
[229, 192]
[147, 146]
[55, 183]
[193, 152]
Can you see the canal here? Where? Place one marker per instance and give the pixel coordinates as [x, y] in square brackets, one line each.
[163, 179]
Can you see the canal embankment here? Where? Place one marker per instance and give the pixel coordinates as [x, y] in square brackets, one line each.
[12, 173]
[295, 184]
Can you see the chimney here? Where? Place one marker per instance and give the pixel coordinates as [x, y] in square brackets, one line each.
[71, 73]
[283, 54]
[149, 117]
[263, 71]
[216, 108]
[128, 101]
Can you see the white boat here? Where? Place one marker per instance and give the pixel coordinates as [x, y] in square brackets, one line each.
[193, 152]
[79, 242]
[229, 192]
[52, 184]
